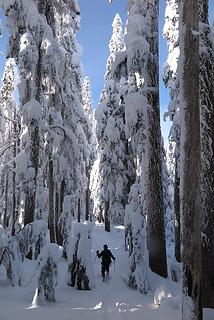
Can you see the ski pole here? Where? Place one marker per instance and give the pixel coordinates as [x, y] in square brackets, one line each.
[114, 267]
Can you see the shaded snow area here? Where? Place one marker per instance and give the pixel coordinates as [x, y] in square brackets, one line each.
[112, 300]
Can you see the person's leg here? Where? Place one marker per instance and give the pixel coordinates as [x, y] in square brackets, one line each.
[103, 270]
[107, 271]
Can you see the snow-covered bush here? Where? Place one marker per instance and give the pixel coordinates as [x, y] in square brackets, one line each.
[80, 268]
[30, 239]
[47, 270]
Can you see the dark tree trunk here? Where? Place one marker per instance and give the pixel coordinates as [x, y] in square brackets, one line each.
[60, 200]
[30, 194]
[100, 215]
[87, 204]
[57, 215]
[5, 207]
[78, 211]
[62, 194]
[207, 151]
[106, 216]
[56, 212]
[87, 196]
[51, 208]
[155, 219]
[190, 160]
[14, 201]
[177, 213]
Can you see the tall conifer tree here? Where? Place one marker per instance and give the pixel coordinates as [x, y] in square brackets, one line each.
[207, 151]
[190, 205]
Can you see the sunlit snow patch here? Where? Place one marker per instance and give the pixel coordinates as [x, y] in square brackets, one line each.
[161, 293]
[98, 306]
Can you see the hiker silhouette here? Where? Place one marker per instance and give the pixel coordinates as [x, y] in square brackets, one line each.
[106, 257]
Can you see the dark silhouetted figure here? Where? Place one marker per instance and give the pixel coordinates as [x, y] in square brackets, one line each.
[106, 256]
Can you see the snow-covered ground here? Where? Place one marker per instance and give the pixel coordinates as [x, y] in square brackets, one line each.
[113, 300]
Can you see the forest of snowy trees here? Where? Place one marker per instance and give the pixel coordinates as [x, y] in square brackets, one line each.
[66, 165]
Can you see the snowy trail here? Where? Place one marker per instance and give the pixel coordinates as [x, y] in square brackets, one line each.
[111, 301]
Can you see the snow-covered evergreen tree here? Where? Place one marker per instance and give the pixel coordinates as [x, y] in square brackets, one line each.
[25, 36]
[116, 43]
[171, 34]
[53, 141]
[207, 149]
[90, 132]
[111, 136]
[69, 165]
[54, 74]
[10, 123]
[168, 184]
[143, 121]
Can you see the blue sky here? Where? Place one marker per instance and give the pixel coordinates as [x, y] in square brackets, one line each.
[94, 36]
[95, 33]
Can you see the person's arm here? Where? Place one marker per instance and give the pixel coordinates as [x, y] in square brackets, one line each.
[99, 254]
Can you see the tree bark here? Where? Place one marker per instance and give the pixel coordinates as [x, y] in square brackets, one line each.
[207, 151]
[155, 206]
[106, 216]
[78, 211]
[51, 209]
[57, 213]
[177, 213]
[190, 160]
[5, 207]
[30, 194]
[59, 208]
[87, 204]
